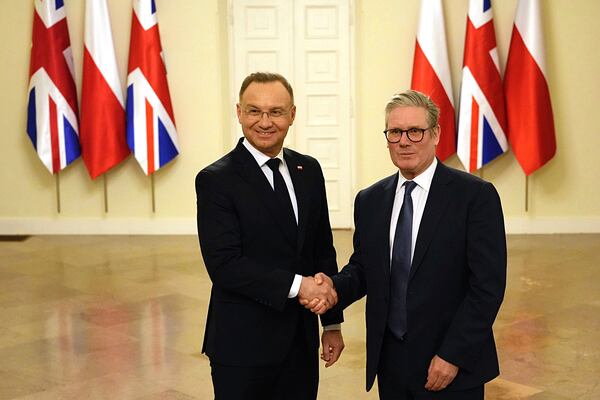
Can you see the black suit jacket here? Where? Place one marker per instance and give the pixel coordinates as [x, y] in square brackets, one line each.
[456, 282]
[252, 261]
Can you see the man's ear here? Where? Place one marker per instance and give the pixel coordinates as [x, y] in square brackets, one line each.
[436, 136]
[238, 109]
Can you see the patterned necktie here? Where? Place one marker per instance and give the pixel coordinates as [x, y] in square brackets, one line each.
[400, 269]
[282, 194]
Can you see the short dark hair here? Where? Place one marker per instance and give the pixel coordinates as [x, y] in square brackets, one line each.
[266, 77]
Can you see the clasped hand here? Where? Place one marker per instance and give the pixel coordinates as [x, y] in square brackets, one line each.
[317, 293]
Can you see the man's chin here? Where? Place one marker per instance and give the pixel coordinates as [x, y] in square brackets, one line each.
[405, 164]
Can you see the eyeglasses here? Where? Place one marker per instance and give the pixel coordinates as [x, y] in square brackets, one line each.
[415, 135]
[275, 113]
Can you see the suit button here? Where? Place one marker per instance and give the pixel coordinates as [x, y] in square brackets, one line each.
[386, 299]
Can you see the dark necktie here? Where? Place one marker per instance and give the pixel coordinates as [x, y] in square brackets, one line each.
[400, 268]
[282, 194]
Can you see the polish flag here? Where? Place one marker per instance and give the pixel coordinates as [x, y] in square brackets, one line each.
[431, 72]
[482, 113]
[528, 106]
[102, 131]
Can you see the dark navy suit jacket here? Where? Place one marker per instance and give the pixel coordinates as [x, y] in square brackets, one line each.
[252, 259]
[456, 282]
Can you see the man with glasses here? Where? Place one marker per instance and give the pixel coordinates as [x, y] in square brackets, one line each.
[264, 231]
[430, 255]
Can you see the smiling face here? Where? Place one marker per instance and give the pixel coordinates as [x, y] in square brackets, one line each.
[412, 158]
[267, 131]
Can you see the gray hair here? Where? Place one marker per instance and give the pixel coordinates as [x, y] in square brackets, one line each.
[266, 77]
[412, 98]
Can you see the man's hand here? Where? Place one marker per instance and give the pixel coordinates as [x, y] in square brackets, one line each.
[321, 278]
[317, 294]
[316, 305]
[333, 345]
[440, 374]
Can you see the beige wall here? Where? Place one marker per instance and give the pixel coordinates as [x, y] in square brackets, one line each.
[563, 196]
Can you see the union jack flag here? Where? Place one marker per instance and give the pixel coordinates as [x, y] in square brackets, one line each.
[482, 116]
[151, 132]
[52, 114]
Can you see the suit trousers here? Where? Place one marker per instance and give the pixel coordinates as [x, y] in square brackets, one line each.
[395, 383]
[297, 378]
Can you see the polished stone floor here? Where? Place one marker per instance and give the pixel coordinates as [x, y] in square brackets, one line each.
[121, 317]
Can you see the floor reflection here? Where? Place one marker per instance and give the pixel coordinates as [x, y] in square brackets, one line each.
[111, 317]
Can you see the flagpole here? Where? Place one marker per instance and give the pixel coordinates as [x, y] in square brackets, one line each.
[526, 193]
[105, 194]
[57, 192]
[153, 194]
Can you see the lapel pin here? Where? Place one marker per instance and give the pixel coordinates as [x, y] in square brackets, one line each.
[299, 167]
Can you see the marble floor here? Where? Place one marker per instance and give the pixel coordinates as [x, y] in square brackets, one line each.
[121, 317]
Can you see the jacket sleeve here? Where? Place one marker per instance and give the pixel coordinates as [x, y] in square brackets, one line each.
[351, 283]
[325, 256]
[486, 261]
[219, 233]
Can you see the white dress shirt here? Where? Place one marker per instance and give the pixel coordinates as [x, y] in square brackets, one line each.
[419, 198]
[261, 160]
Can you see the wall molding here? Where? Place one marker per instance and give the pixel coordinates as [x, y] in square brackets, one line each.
[187, 226]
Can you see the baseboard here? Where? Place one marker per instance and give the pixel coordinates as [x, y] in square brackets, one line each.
[185, 226]
[96, 226]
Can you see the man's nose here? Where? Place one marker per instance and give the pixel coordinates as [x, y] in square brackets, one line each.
[404, 140]
[265, 120]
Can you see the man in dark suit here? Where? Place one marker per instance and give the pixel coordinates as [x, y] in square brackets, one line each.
[430, 255]
[264, 230]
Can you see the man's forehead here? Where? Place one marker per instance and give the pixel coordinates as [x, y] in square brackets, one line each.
[408, 113]
[272, 92]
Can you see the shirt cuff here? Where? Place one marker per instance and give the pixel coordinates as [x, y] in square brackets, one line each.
[333, 327]
[295, 286]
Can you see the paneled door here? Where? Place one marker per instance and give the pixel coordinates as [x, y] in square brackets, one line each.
[310, 43]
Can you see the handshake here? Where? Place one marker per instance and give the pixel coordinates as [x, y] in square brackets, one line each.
[317, 293]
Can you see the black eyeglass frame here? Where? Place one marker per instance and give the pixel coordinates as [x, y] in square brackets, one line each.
[408, 134]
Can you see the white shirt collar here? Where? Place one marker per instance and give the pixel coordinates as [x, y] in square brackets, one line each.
[260, 157]
[423, 180]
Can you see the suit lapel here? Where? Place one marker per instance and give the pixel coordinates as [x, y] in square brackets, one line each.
[249, 170]
[383, 219]
[301, 189]
[437, 202]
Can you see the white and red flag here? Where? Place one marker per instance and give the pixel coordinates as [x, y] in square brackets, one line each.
[482, 115]
[52, 108]
[529, 110]
[103, 142]
[151, 132]
[431, 72]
